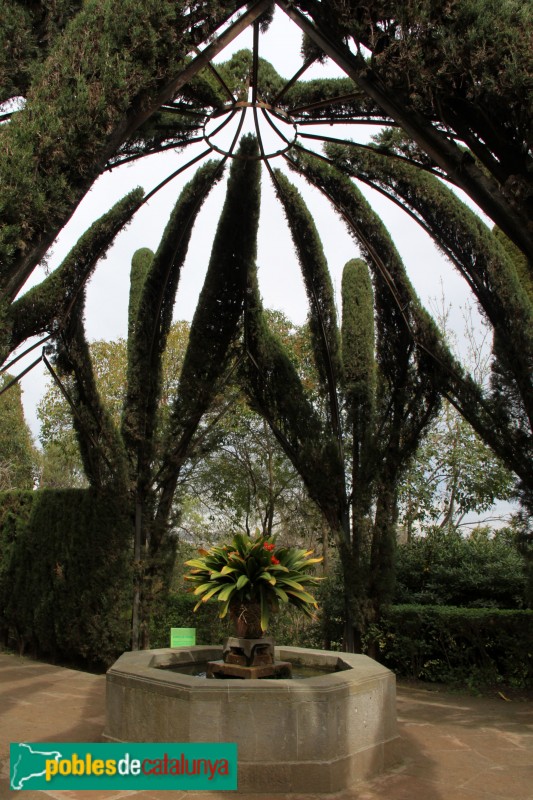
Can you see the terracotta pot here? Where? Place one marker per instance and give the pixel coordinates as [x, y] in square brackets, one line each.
[247, 620]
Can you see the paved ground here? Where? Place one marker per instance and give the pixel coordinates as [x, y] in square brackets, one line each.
[454, 747]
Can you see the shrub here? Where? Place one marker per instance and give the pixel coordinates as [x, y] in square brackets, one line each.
[15, 510]
[65, 575]
[253, 570]
[443, 568]
[473, 647]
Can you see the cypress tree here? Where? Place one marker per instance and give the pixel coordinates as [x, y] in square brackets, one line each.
[446, 74]
[359, 385]
[218, 314]
[46, 307]
[154, 281]
[390, 392]
[317, 281]
[110, 68]
[275, 390]
[500, 278]
[144, 472]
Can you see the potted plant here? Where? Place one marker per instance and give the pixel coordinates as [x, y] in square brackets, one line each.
[249, 577]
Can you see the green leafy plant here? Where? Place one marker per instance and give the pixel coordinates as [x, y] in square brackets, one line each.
[253, 571]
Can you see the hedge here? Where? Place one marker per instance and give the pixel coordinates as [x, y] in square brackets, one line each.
[65, 574]
[472, 647]
[176, 610]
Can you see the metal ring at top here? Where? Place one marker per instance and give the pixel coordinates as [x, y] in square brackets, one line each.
[270, 113]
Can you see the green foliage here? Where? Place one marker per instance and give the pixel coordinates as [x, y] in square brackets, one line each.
[397, 393]
[322, 317]
[359, 368]
[476, 648]
[102, 449]
[61, 463]
[453, 473]
[103, 76]
[447, 73]
[253, 571]
[472, 247]
[222, 298]
[499, 280]
[130, 458]
[176, 610]
[154, 283]
[275, 390]
[215, 326]
[46, 307]
[359, 381]
[519, 261]
[471, 55]
[18, 457]
[236, 72]
[15, 511]
[28, 31]
[346, 102]
[64, 574]
[445, 568]
[245, 481]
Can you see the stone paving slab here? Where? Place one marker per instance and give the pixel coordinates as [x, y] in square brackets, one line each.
[453, 747]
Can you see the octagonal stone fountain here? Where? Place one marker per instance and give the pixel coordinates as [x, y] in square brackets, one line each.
[308, 735]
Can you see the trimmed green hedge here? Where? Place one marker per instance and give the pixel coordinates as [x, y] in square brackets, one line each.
[474, 647]
[65, 574]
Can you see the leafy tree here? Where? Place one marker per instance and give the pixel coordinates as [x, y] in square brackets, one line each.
[246, 483]
[483, 570]
[18, 457]
[452, 474]
[61, 466]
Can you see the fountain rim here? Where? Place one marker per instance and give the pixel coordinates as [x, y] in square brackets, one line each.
[146, 665]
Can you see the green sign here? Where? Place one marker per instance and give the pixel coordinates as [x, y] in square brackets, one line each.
[182, 637]
[134, 766]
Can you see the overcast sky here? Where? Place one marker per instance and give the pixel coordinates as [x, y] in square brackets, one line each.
[279, 276]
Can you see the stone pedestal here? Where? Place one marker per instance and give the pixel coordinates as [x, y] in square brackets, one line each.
[249, 659]
[222, 669]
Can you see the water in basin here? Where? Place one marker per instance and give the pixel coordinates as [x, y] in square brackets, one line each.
[199, 670]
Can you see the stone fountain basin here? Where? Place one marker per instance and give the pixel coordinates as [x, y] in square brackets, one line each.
[320, 734]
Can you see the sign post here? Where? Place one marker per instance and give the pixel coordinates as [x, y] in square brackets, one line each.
[182, 637]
